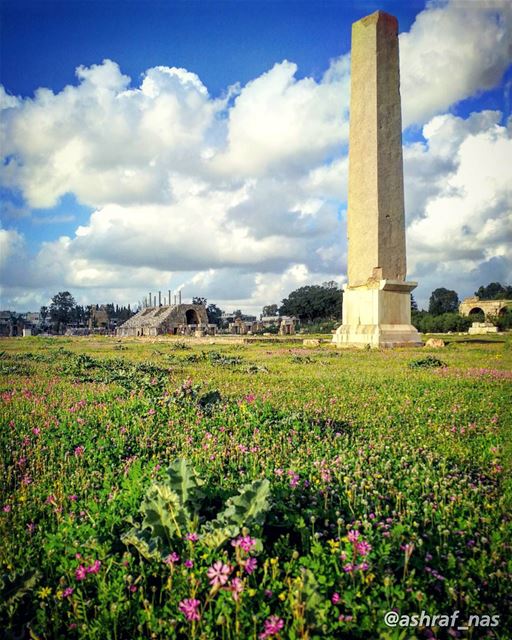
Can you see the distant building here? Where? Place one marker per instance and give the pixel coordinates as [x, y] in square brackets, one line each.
[11, 324]
[99, 319]
[177, 320]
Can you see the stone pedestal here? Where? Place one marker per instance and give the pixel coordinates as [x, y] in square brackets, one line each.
[377, 314]
[478, 328]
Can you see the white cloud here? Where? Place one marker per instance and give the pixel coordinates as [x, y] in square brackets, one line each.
[465, 217]
[243, 198]
[453, 50]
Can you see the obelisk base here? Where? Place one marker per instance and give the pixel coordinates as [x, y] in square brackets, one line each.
[377, 314]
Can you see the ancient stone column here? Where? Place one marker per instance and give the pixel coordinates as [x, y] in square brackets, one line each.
[376, 301]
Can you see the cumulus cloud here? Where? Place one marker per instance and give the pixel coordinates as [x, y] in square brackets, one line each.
[243, 197]
[462, 216]
[452, 51]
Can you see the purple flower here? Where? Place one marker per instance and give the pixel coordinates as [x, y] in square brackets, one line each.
[236, 587]
[94, 567]
[172, 558]
[273, 626]
[218, 573]
[245, 542]
[67, 592]
[189, 563]
[335, 598]
[250, 565]
[81, 573]
[363, 547]
[193, 537]
[348, 568]
[190, 608]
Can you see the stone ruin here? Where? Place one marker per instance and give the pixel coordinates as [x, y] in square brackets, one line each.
[176, 319]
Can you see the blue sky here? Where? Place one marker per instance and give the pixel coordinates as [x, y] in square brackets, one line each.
[209, 151]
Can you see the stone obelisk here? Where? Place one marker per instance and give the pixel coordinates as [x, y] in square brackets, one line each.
[377, 298]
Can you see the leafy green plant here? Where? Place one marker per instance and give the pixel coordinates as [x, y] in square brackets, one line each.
[429, 362]
[171, 509]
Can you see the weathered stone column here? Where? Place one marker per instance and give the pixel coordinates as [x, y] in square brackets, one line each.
[376, 302]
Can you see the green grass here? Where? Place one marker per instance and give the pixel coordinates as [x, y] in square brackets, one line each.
[415, 459]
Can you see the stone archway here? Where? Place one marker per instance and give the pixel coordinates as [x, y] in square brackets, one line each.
[191, 316]
[476, 311]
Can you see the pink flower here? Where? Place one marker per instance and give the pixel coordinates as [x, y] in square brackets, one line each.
[81, 573]
[236, 587]
[94, 567]
[348, 568]
[190, 608]
[363, 548]
[218, 573]
[335, 598]
[193, 537]
[246, 543]
[7, 508]
[353, 536]
[250, 565]
[79, 451]
[189, 563]
[273, 626]
[36, 431]
[67, 592]
[250, 398]
[172, 558]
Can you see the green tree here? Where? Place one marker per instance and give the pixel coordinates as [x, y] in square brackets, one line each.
[443, 301]
[197, 300]
[61, 309]
[270, 310]
[43, 314]
[214, 314]
[494, 291]
[314, 302]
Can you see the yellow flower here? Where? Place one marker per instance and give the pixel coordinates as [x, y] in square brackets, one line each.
[274, 561]
[282, 596]
[44, 592]
[251, 592]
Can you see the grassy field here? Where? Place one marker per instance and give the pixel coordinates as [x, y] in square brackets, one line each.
[264, 490]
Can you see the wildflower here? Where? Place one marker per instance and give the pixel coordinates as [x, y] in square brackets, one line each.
[236, 587]
[192, 537]
[353, 536]
[73, 498]
[335, 598]
[172, 558]
[79, 451]
[81, 573]
[245, 542]
[94, 567]
[273, 626]
[36, 431]
[363, 548]
[250, 398]
[250, 565]
[190, 608]
[189, 563]
[218, 573]
[132, 588]
[294, 479]
[67, 592]
[7, 508]
[44, 592]
[348, 568]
